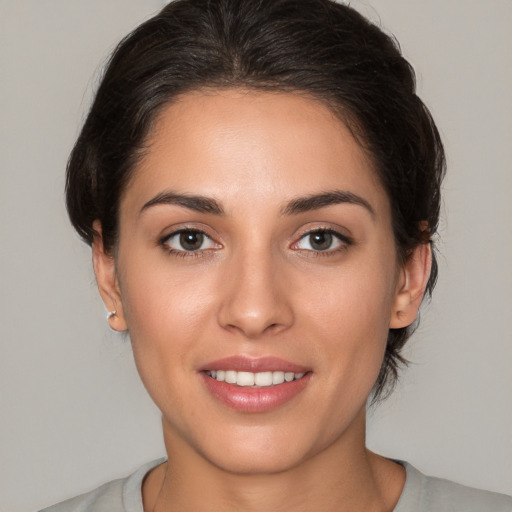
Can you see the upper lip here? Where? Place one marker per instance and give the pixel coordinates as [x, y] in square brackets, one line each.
[255, 365]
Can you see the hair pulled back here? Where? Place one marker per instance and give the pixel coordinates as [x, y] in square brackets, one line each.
[318, 47]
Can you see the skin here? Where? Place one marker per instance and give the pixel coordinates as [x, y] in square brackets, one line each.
[257, 288]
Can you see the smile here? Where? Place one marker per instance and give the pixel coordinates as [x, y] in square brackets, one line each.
[254, 380]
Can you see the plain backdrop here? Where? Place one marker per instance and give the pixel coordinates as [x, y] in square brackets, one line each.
[72, 411]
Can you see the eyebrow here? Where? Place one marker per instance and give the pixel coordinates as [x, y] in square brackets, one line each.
[298, 205]
[317, 201]
[199, 204]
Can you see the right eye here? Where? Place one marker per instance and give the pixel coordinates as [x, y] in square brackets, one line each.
[188, 240]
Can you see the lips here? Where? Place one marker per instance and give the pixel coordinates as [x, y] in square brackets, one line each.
[254, 385]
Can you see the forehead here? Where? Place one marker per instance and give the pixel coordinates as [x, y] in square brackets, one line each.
[265, 146]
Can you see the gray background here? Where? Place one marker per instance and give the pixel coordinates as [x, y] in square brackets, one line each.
[73, 413]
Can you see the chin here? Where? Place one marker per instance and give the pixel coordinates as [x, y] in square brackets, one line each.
[262, 462]
[260, 450]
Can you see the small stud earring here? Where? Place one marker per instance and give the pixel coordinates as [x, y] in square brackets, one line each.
[110, 314]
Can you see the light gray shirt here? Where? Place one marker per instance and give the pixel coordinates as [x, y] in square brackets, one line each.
[421, 493]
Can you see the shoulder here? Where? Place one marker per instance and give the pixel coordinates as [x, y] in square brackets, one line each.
[423, 493]
[123, 495]
[108, 497]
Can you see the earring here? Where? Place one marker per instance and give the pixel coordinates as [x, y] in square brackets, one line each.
[110, 314]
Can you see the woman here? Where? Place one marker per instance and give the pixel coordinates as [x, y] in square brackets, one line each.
[260, 187]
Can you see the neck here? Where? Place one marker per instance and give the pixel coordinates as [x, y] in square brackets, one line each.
[343, 477]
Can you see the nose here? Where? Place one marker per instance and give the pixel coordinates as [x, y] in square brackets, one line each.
[255, 300]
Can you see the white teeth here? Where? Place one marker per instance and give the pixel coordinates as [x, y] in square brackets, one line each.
[245, 379]
[230, 377]
[250, 379]
[263, 379]
[277, 377]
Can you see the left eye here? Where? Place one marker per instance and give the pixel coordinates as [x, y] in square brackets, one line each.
[321, 240]
[189, 240]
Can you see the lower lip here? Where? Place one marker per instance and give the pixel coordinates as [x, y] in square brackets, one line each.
[246, 399]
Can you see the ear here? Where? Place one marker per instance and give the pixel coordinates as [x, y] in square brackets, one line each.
[106, 278]
[411, 285]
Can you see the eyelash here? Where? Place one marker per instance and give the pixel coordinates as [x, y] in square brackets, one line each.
[344, 241]
[183, 253]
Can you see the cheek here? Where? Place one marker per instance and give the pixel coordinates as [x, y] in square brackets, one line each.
[164, 313]
[158, 294]
[164, 307]
[355, 298]
[357, 329]
[351, 314]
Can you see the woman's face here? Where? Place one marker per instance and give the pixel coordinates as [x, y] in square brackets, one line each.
[256, 246]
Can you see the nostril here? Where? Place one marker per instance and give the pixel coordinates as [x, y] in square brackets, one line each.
[252, 304]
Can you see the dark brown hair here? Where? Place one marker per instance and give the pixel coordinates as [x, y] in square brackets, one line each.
[317, 47]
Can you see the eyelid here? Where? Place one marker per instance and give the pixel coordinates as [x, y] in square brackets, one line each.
[344, 240]
[164, 241]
